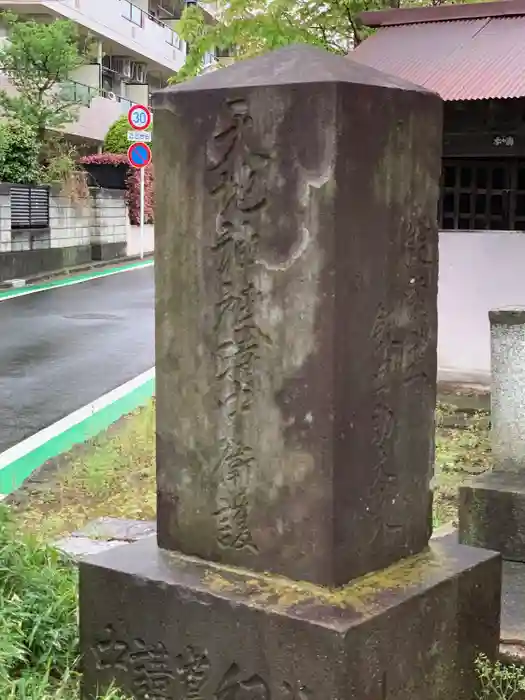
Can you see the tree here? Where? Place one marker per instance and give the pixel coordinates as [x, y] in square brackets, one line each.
[249, 27]
[116, 140]
[37, 59]
[19, 151]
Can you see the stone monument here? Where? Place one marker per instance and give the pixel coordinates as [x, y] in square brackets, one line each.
[492, 506]
[296, 265]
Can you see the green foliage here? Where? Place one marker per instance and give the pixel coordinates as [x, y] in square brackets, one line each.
[499, 681]
[38, 620]
[116, 140]
[19, 151]
[37, 59]
[250, 27]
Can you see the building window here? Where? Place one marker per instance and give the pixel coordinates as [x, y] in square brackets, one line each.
[483, 194]
[132, 13]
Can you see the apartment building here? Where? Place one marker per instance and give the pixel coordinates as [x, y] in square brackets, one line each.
[137, 50]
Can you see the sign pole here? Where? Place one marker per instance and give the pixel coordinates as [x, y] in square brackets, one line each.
[141, 213]
[139, 154]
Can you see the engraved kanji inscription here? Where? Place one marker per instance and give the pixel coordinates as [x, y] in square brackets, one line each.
[401, 338]
[193, 668]
[141, 667]
[237, 173]
[235, 686]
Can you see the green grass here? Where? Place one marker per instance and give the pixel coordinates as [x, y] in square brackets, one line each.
[460, 454]
[111, 475]
[38, 620]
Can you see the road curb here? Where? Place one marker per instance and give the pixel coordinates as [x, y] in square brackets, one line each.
[20, 461]
[77, 269]
[13, 292]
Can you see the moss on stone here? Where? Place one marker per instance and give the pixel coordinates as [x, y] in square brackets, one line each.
[360, 596]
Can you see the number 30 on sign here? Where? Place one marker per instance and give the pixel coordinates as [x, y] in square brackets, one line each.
[139, 117]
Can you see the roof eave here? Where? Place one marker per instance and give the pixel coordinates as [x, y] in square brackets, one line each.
[442, 13]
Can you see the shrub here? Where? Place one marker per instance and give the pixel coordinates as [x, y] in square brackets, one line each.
[19, 151]
[116, 140]
[132, 185]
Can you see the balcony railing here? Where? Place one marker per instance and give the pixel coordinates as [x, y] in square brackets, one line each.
[173, 39]
[84, 94]
[123, 101]
[132, 13]
[136, 15]
[78, 92]
[209, 59]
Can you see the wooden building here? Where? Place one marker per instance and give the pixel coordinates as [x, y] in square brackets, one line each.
[473, 55]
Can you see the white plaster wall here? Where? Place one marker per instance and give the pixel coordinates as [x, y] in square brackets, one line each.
[478, 271]
[133, 247]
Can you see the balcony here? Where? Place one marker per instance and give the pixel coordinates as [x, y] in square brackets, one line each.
[134, 31]
[96, 113]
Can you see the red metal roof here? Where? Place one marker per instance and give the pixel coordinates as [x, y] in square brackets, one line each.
[474, 59]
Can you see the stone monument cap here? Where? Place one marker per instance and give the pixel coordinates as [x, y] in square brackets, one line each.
[291, 65]
[508, 315]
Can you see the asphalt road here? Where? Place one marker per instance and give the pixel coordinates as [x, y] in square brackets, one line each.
[62, 348]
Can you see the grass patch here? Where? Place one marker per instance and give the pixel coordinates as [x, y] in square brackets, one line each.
[461, 452]
[115, 475]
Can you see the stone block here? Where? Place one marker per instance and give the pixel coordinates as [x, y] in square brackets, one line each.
[295, 412]
[167, 627]
[118, 529]
[507, 359]
[108, 251]
[492, 513]
[80, 547]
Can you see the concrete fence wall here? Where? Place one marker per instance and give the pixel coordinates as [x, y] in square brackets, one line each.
[79, 231]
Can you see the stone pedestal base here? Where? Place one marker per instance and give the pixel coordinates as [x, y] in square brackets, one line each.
[492, 514]
[164, 626]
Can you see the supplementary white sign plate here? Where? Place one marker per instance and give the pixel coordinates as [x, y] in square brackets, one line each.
[139, 136]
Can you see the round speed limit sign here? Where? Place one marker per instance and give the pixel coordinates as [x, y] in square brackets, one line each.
[139, 117]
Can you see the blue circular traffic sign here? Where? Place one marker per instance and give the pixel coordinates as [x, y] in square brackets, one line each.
[139, 155]
[139, 117]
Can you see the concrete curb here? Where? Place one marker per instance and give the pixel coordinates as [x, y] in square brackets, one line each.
[22, 460]
[79, 278]
[70, 271]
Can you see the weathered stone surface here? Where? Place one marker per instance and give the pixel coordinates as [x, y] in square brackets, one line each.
[80, 547]
[216, 633]
[492, 513]
[296, 265]
[507, 332]
[118, 529]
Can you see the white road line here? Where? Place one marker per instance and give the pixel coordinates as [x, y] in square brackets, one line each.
[68, 284]
[38, 439]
